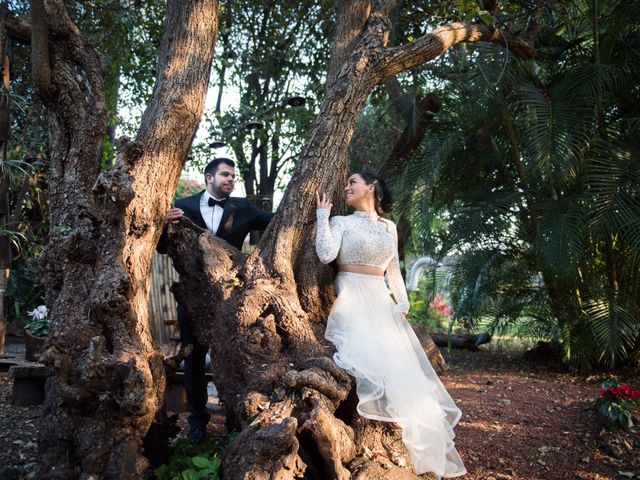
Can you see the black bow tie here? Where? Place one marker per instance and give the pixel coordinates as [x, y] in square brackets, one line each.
[220, 203]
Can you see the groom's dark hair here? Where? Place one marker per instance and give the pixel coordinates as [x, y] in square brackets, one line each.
[212, 166]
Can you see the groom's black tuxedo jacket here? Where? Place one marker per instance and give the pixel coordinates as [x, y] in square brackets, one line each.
[238, 218]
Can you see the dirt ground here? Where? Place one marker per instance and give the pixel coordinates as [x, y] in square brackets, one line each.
[522, 419]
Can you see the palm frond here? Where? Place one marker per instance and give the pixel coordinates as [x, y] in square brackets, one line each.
[559, 241]
[613, 186]
[614, 321]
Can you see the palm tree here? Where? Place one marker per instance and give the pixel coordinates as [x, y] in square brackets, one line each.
[534, 170]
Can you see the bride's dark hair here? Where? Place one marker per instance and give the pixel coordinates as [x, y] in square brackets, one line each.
[381, 193]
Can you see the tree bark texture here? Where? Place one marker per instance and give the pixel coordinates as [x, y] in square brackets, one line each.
[294, 407]
[106, 378]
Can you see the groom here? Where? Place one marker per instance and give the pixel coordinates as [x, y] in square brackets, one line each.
[230, 218]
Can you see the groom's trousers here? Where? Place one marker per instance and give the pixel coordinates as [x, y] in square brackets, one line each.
[195, 381]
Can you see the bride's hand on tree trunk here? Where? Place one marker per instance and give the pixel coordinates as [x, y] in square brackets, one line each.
[323, 202]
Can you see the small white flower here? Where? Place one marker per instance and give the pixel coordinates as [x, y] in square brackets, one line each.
[39, 313]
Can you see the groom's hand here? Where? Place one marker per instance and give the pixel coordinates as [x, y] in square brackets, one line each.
[323, 202]
[174, 215]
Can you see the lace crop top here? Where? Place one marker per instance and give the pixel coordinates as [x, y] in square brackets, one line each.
[362, 239]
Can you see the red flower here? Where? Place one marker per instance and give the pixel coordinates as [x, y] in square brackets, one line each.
[602, 392]
[613, 390]
[439, 304]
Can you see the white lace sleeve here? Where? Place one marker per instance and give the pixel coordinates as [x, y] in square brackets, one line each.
[394, 278]
[328, 236]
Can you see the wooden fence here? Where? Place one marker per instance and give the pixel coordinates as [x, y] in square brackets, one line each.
[162, 306]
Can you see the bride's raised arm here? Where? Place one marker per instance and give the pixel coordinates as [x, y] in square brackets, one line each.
[328, 236]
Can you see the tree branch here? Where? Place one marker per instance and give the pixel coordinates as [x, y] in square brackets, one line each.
[520, 168]
[431, 45]
[414, 131]
[181, 65]
[40, 67]
[18, 28]
[352, 19]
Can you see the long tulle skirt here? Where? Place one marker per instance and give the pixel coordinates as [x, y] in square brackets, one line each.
[395, 381]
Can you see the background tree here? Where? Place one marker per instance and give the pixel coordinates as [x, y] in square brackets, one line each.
[22, 207]
[532, 177]
[131, 71]
[270, 53]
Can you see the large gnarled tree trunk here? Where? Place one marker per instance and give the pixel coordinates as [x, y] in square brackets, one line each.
[272, 366]
[107, 378]
[273, 370]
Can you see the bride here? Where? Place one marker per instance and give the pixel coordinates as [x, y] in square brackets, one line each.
[374, 342]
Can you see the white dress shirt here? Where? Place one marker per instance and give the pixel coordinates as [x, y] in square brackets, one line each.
[212, 215]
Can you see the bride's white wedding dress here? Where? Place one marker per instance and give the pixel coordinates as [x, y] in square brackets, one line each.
[376, 345]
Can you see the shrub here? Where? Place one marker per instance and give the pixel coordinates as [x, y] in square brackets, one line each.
[187, 187]
[191, 461]
[615, 404]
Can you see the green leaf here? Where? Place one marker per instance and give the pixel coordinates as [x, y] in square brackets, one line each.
[625, 420]
[162, 472]
[191, 474]
[207, 473]
[201, 461]
[486, 17]
[604, 409]
[255, 422]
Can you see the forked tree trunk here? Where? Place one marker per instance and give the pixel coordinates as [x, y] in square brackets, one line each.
[264, 316]
[272, 365]
[107, 378]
